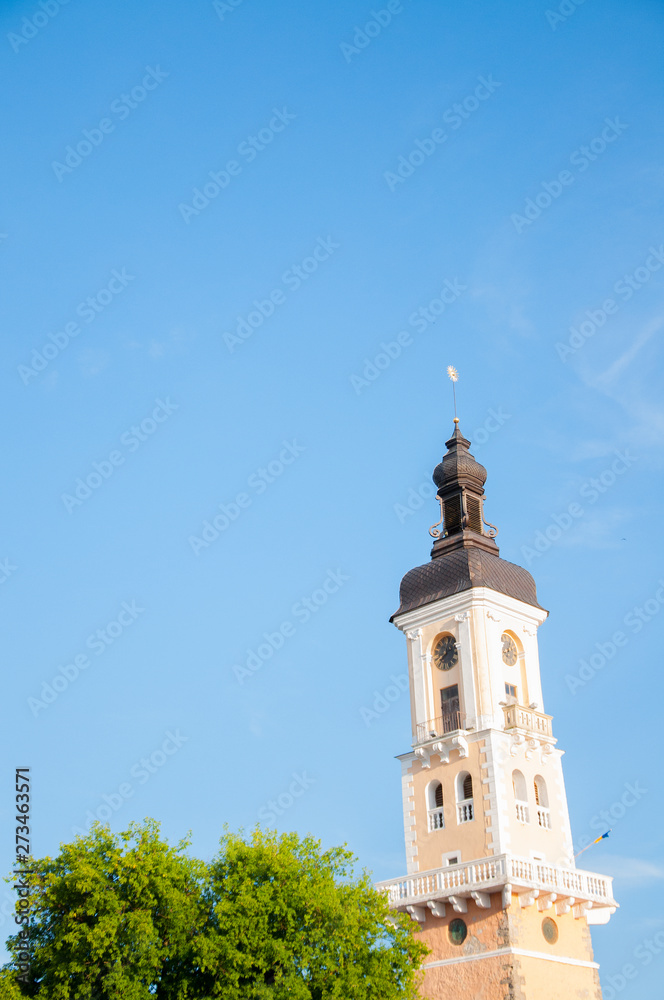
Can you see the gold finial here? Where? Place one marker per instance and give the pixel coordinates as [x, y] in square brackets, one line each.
[453, 375]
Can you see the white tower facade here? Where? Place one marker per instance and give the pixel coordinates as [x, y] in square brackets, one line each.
[491, 878]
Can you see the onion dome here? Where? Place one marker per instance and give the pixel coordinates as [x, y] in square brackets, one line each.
[460, 480]
[458, 467]
[464, 554]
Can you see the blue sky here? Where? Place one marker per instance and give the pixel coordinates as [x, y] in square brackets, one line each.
[472, 184]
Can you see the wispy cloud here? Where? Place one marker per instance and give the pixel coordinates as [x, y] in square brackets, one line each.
[601, 529]
[93, 362]
[635, 871]
[609, 376]
[174, 342]
[581, 451]
[635, 389]
[256, 721]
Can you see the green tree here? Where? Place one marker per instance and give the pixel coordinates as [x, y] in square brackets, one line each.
[9, 988]
[126, 917]
[290, 921]
[113, 915]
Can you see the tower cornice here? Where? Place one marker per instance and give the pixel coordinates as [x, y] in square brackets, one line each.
[473, 598]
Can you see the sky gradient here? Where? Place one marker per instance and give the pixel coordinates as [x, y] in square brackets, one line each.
[239, 245]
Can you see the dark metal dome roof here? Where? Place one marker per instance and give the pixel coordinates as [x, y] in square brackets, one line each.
[464, 555]
[458, 465]
[459, 570]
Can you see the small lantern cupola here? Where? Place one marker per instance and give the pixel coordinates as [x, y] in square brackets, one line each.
[460, 480]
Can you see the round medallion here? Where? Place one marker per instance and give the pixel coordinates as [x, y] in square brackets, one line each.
[458, 931]
[445, 654]
[550, 930]
[510, 651]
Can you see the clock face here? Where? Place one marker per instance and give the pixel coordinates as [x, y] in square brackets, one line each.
[510, 652]
[445, 654]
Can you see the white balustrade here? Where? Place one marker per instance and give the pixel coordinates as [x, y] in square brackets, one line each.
[436, 819]
[522, 813]
[465, 811]
[544, 817]
[491, 874]
[516, 716]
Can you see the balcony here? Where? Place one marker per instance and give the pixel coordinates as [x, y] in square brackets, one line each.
[465, 811]
[436, 819]
[534, 882]
[444, 724]
[522, 812]
[518, 717]
[544, 817]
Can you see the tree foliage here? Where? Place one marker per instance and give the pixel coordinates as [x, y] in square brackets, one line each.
[110, 913]
[126, 917]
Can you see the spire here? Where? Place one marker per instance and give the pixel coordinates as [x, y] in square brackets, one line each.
[464, 553]
[460, 480]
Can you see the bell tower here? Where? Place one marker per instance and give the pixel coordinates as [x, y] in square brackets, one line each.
[491, 879]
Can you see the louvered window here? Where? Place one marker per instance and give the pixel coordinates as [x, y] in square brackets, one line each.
[453, 515]
[464, 792]
[542, 803]
[541, 796]
[474, 508]
[436, 812]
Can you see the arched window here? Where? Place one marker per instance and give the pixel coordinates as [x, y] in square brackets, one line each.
[435, 806]
[520, 797]
[542, 802]
[464, 792]
[434, 795]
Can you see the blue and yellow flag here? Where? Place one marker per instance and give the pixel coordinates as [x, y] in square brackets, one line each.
[603, 836]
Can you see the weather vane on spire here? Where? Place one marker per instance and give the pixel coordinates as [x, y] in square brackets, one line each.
[454, 377]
